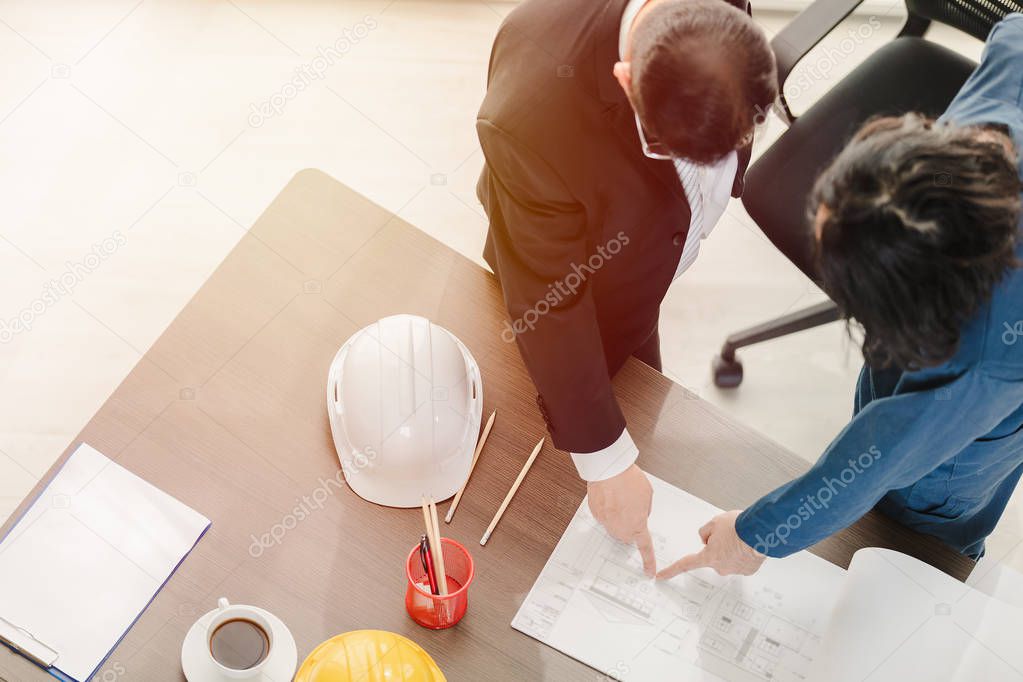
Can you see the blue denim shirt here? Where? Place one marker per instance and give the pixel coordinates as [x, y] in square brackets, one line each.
[941, 449]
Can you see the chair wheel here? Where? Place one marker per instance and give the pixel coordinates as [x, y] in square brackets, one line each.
[727, 373]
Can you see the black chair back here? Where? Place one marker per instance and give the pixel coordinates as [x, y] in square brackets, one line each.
[975, 17]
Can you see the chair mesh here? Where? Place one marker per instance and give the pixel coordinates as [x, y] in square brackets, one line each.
[975, 17]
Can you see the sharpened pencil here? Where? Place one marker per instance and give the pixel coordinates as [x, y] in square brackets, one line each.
[475, 458]
[511, 493]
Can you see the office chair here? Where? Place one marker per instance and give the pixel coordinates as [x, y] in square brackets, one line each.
[906, 74]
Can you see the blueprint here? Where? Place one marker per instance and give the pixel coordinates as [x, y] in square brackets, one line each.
[593, 603]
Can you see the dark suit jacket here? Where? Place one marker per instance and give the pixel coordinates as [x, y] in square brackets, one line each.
[585, 231]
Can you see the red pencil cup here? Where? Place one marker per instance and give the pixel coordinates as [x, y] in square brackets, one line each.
[433, 610]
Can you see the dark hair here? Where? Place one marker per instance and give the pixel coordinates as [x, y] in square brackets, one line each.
[703, 75]
[920, 223]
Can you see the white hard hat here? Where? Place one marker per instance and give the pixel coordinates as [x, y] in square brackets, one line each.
[405, 400]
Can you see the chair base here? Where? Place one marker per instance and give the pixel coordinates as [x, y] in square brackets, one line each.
[727, 373]
[726, 367]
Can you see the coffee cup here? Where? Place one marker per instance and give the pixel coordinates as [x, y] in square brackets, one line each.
[239, 640]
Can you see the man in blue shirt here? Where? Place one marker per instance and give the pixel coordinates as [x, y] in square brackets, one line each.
[918, 239]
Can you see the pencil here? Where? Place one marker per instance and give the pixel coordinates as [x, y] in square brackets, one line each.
[442, 576]
[511, 493]
[426, 517]
[431, 537]
[475, 457]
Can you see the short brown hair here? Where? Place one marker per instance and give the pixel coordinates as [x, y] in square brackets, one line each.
[703, 74]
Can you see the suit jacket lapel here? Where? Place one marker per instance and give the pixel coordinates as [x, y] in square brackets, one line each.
[623, 120]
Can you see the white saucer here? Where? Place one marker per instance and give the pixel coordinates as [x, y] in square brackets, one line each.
[199, 667]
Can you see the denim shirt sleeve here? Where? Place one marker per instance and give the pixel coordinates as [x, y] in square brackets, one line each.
[1003, 58]
[893, 442]
[999, 76]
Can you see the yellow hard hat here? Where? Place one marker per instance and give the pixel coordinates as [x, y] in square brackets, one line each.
[369, 656]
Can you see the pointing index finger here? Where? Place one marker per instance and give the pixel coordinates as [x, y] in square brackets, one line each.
[645, 545]
[686, 563]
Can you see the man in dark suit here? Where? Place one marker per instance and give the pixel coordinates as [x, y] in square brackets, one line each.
[613, 131]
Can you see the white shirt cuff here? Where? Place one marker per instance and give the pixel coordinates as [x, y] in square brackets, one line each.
[609, 462]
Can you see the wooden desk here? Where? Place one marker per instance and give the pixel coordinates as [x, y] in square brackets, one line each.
[226, 412]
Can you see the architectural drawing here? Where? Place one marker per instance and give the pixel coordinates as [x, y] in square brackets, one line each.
[593, 602]
[754, 638]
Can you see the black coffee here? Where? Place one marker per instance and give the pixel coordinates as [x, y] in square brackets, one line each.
[239, 644]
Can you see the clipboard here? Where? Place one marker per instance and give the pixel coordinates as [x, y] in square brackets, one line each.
[85, 560]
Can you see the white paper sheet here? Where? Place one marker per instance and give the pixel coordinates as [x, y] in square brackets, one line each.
[997, 580]
[88, 556]
[593, 603]
[899, 619]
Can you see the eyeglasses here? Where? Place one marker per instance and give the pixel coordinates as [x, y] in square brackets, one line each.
[657, 150]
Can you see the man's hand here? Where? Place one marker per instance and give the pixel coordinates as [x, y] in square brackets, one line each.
[622, 504]
[724, 551]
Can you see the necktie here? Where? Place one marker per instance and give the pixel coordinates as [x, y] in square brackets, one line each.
[689, 174]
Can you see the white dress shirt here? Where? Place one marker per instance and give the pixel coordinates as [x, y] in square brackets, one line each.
[708, 189]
